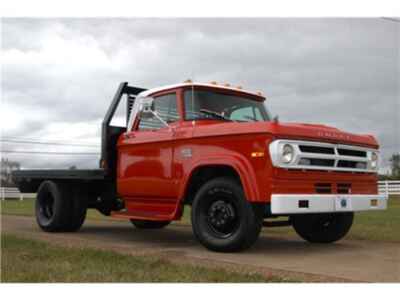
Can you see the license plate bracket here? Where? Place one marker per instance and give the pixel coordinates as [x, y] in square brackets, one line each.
[343, 203]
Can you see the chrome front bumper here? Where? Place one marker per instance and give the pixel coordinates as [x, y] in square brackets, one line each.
[320, 203]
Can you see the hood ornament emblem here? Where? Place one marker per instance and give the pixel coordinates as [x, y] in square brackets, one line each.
[341, 136]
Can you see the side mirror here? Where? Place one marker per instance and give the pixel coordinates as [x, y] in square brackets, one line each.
[146, 108]
[276, 119]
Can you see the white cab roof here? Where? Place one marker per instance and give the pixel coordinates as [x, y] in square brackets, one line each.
[211, 85]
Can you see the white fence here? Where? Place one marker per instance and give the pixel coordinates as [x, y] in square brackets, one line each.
[13, 193]
[389, 187]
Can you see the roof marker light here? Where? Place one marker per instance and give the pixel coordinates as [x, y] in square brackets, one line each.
[239, 87]
[227, 84]
[214, 82]
[188, 81]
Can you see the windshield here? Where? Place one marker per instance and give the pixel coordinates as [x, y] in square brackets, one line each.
[202, 104]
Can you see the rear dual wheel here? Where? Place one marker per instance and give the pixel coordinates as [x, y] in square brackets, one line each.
[60, 207]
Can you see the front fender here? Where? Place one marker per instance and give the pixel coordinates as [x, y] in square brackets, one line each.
[242, 167]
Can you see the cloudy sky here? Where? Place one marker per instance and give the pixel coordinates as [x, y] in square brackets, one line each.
[59, 75]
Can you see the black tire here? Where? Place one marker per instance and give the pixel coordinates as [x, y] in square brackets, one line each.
[52, 206]
[144, 224]
[322, 228]
[78, 208]
[222, 218]
[58, 207]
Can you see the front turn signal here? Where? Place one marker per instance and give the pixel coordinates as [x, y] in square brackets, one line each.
[257, 154]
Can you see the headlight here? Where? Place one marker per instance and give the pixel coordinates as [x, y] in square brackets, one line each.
[287, 153]
[374, 160]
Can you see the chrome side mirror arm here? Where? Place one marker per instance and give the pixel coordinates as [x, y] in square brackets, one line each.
[155, 114]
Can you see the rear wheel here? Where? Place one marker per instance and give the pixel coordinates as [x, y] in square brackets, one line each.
[323, 228]
[59, 207]
[78, 207]
[144, 224]
[222, 218]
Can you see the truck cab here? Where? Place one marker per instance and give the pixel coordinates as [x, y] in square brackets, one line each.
[216, 149]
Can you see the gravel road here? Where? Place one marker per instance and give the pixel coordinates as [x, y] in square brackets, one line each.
[347, 260]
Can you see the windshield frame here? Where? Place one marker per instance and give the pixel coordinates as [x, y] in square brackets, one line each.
[265, 113]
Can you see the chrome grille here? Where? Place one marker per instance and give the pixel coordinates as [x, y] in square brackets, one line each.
[349, 152]
[316, 149]
[323, 156]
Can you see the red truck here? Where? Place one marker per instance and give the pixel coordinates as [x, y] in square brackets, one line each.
[217, 149]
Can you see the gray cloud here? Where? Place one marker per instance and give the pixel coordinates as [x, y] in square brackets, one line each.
[60, 74]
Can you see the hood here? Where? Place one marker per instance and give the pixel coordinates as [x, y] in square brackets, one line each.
[295, 131]
[322, 133]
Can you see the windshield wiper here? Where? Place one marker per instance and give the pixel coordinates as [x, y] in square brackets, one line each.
[214, 114]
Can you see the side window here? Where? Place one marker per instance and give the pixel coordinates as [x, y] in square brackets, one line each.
[248, 113]
[166, 108]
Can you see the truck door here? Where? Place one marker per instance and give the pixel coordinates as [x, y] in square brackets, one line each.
[145, 173]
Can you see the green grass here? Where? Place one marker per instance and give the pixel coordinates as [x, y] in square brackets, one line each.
[19, 208]
[25, 260]
[379, 225]
[375, 225]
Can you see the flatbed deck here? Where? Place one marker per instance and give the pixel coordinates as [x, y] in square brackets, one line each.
[28, 181]
[83, 174]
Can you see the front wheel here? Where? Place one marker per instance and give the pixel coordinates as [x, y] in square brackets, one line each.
[222, 218]
[144, 224]
[322, 228]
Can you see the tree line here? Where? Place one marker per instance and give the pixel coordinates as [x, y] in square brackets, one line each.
[394, 168]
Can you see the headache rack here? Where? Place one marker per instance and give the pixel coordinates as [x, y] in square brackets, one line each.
[110, 134]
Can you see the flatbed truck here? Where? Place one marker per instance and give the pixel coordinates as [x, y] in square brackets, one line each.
[217, 149]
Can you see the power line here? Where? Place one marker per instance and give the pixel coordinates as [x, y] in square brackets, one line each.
[391, 19]
[73, 140]
[49, 153]
[66, 141]
[46, 143]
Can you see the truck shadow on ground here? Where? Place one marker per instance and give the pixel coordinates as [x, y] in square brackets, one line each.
[181, 237]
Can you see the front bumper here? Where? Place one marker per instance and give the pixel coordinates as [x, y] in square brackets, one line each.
[283, 204]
